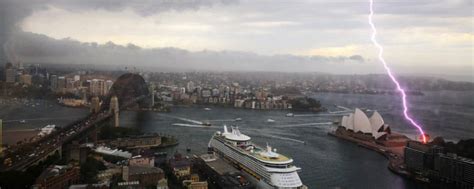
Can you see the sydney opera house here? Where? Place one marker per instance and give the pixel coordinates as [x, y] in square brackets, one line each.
[359, 126]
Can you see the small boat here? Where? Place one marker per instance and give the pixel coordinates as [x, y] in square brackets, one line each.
[290, 115]
[238, 119]
[206, 123]
[270, 120]
[188, 149]
[207, 109]
[23, 121]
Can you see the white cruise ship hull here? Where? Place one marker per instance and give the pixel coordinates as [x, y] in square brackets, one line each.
[264, 179]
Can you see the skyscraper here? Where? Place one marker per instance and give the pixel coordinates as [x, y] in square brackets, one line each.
[108, 86]
[61, 84]
[1, 138]
[10, 73]
[54, 82]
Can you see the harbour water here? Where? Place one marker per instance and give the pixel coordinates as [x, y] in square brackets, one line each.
[22, 117]
[326, 162]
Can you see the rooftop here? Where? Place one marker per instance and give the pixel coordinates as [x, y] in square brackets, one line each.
[136, 170]
[54, 171]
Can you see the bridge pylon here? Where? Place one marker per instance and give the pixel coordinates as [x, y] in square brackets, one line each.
[114, 108]
[95, 104]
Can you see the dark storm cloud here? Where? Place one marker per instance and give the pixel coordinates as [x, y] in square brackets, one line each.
[142, 7]
[307, 15]
[36, 48]
[12, 12]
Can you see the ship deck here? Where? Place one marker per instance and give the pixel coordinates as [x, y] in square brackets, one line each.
[256, 153]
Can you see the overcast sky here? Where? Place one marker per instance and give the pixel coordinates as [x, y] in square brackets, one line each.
[434, 36]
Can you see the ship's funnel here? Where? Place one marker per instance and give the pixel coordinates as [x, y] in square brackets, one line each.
[225, 129]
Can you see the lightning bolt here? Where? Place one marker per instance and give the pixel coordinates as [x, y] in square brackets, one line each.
[390, 74]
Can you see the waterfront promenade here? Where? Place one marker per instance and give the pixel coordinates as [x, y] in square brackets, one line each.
[394, 155]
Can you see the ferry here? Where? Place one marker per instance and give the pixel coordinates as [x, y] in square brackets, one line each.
[265, 167]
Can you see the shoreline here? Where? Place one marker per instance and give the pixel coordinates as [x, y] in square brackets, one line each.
[395, 160]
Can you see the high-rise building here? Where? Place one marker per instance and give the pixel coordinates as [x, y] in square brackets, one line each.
[215, 92]
[70, 84]
[99, 87]
[430, 161]
[455, 169]
[415, 155]
[61, 84]
[54, 82]
[190, 86]
[94, 87]
[10, 75]
[205, 93]
[108, 86]
[1, 138]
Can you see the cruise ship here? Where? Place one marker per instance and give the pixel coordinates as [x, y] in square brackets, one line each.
[269, 168]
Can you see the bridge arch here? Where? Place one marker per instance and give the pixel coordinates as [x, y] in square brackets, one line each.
[127, 87]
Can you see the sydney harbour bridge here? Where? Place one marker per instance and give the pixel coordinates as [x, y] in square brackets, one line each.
[128, 91]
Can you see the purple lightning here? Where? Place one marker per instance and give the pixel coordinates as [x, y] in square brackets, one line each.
[389, 72]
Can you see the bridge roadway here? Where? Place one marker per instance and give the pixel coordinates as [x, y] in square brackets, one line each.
[24, 157]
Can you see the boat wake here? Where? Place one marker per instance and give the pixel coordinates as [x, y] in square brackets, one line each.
[320, 115]
[283, 138]
[344, 108]
[339, 112]
[222, 120]
[183, 119]
[191, 125]
[191, 121]
[303, 125]
[41, 119]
